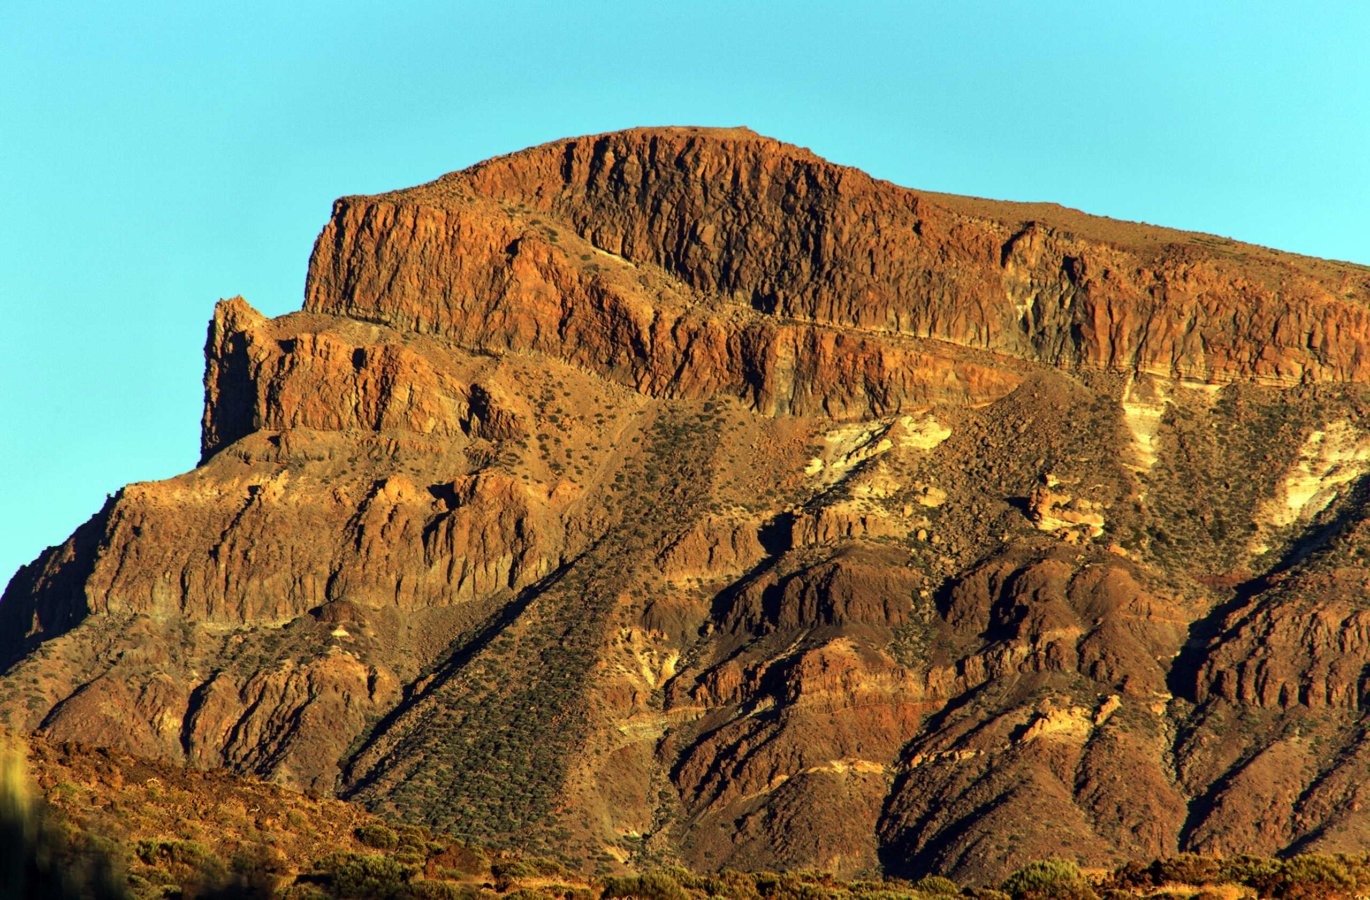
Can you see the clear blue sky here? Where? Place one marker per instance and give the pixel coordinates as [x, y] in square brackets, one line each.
[156, 156]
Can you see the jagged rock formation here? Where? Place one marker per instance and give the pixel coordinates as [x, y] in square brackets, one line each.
[678, 495]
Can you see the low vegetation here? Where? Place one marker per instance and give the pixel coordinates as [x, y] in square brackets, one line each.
[119, 832]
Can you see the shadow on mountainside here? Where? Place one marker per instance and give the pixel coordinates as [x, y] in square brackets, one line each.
[47, 597]
[1182, 680]
[459, 653]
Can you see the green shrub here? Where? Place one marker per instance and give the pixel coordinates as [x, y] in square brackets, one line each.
[936, 884]
[372, 877]
[377, 836]
[1133, 875]
[566, 892]
[255, 870]
[647, 886]
[302, 892]
[1307, 877]
[177, 853]
[1249, 870]
[440, 890]
[1049, 879]
[1187, 868]
[527, 894]
[508, 872]
[730, 883]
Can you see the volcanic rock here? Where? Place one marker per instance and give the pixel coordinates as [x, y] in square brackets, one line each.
[675, 495]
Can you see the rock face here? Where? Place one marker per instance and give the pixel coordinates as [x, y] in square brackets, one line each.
[774, 228]
[678, 496]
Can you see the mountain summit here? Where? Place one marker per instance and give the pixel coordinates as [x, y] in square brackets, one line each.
[675, 495]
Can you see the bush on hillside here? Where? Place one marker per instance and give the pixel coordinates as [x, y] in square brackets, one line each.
[1308, 877]
[377, 836]
[648, 886]
[1049, 879]
[936, 884]
[373, 877]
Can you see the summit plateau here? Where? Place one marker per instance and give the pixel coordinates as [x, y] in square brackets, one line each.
[677, 496]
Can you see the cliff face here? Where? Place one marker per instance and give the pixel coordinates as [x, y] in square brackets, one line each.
[765, 226]
[676, 495]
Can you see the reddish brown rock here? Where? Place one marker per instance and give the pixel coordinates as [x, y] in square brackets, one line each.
[772, 227]
[676, 495]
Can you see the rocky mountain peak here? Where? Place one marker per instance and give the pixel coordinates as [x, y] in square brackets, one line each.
[753, 225]
[675, 495]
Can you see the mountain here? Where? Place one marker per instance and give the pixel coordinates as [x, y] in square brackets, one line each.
[675, 495]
